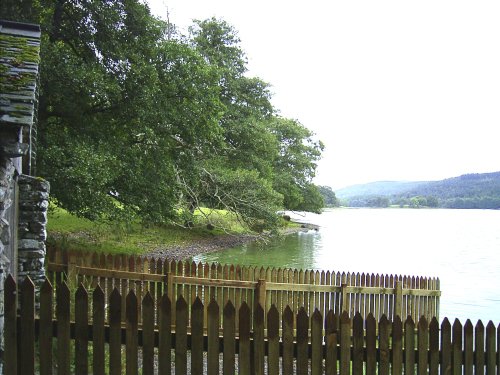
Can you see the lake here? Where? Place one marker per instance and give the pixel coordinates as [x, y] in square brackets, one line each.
[461, 247]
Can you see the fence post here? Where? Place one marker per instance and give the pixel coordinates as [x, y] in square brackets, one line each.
[343, 295]
[170, 286]
[260, 293]
[399, 299]
[72, 274]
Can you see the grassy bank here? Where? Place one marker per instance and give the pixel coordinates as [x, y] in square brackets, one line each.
[72, 233]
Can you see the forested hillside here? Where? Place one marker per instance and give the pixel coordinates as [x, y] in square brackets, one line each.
[466, 191]
[137, 121]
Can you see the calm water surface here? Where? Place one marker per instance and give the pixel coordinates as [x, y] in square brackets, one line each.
[461, 247]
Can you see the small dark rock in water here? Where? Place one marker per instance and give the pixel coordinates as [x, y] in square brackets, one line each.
[286, 217]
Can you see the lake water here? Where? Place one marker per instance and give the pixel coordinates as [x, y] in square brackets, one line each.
[461, 247]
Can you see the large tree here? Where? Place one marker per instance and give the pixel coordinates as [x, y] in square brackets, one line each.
[136, 120]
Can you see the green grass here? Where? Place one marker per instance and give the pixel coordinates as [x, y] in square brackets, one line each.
[73, 233]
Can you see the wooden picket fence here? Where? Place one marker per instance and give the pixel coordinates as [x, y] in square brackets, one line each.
[388, 295]
[50, 341]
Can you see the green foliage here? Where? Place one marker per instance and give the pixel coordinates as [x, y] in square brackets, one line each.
[329, 196]
[140, 124]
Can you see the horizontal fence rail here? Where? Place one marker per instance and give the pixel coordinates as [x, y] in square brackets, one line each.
[302, 343]
[388, 295]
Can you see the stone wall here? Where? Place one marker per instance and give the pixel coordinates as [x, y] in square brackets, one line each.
[8, 243]
[32, 228]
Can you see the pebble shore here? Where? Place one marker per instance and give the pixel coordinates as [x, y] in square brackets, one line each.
[211, 244]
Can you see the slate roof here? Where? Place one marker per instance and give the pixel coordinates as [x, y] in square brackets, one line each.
[19, 60]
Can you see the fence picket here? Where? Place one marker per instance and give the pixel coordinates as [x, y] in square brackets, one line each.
[397, 346]
[409, 345]
[10, 326]
[468, 347]
[131, 321]
[371, 345]
[287, 329]
[81, 331]
[331, 333]
[490, 349]
[456, 354]
[434, 347]
[446, 348]
[165, 336]
[197, 337]
[213, 338]
[302, 341]
[115, 341]
[479, 359]
[244, 332]
[273, 340]
[229, 334]
[357, 344]
[181, 323]
[423, 346]
[148, 334]
[45, 337]
[316, 343]
[63, 304]
[345, 345]
[383, 328]
[258, 339]
[98, 339]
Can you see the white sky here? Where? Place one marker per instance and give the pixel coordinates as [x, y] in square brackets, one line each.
[396, 89]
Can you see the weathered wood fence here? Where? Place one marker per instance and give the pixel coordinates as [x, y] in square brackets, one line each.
[51, 340]
[388, 295]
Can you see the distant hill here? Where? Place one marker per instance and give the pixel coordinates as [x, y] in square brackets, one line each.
[477, 190]
[381, 188]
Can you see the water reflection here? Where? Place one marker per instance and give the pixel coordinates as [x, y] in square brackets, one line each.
[458, 246]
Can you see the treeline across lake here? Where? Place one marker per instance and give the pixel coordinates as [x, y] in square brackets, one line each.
[470, 191]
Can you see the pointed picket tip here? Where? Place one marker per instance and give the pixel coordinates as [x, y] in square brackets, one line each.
[46, 287]
[10, 282]
[409, 320]
[468, 324]
[147, 300]
[131, 297]
[63, 288]
[344, 317]
[115, 294]
[288, 313]
[490, 325]
[244, 309]
[434, 322]
[197, 304]
[213, 306]
[422, 321]
[317, 315]
[165, 303]
[27, 283]
[273, 311]
[258, 314]
[81, 291]
[98, 292]
[480, 324]
[181, 303]
[457, 324]
[383, 319]
[229, 309]
[445, 322]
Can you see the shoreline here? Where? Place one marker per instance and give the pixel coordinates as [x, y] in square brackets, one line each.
[216, 243]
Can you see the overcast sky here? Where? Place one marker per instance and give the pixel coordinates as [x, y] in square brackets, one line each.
[396, 90]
